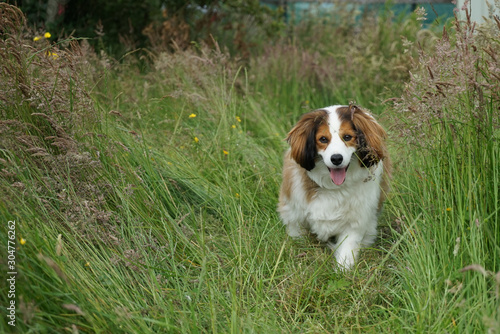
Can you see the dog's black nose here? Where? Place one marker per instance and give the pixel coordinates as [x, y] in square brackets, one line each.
[336, 159]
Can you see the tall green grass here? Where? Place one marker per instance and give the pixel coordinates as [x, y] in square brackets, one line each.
[448, 201]
[161, 215]
[448, 206]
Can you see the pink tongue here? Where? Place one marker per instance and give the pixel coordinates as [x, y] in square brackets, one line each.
[338, 175]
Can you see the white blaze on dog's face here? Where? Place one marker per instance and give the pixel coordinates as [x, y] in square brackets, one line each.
[336, 143]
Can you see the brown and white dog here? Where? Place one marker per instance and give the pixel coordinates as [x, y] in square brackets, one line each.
[335, 177]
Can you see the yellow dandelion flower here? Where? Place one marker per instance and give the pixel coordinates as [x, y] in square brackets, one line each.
[87, 264]
[192, 116]
[47, 35]
[237, 195]
[22, 241]
[448, 209]
[196, 140]
[225, 152]
[233, 126]
[238, 118]
[51, 54]
[37, 38]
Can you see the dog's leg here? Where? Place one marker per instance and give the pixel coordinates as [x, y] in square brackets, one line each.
[346, 250]
[294, 228]
[293, 217]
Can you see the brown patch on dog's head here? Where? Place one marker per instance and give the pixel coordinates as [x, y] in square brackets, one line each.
[304, 140]
[348, 133]
[369, 135]
[323, 136]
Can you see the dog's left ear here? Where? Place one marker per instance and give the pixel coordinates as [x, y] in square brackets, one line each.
[302, 138]
[371, 137]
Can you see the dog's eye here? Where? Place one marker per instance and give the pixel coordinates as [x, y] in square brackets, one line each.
[347, 137]
[323, 140]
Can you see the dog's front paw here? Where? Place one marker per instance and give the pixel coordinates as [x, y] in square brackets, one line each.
[346, 253]
[344, 264]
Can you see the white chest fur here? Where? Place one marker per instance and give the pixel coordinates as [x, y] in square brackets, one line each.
[347, 212]
[333, 211]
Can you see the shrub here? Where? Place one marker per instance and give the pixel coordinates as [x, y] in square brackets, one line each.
[118, 27]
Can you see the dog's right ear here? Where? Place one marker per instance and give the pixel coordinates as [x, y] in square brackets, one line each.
[302, 138]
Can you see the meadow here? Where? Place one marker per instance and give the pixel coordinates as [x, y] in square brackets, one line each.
[144, 189]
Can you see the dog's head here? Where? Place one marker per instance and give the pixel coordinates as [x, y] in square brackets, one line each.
[338, 135]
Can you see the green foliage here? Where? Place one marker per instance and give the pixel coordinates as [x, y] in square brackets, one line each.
[118, 27]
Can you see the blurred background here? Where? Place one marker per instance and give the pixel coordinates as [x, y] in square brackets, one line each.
[121, 26]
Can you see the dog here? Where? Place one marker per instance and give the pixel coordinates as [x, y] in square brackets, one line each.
[335, 179]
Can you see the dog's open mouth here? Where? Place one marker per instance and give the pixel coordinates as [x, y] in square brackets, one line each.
[338, 175]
